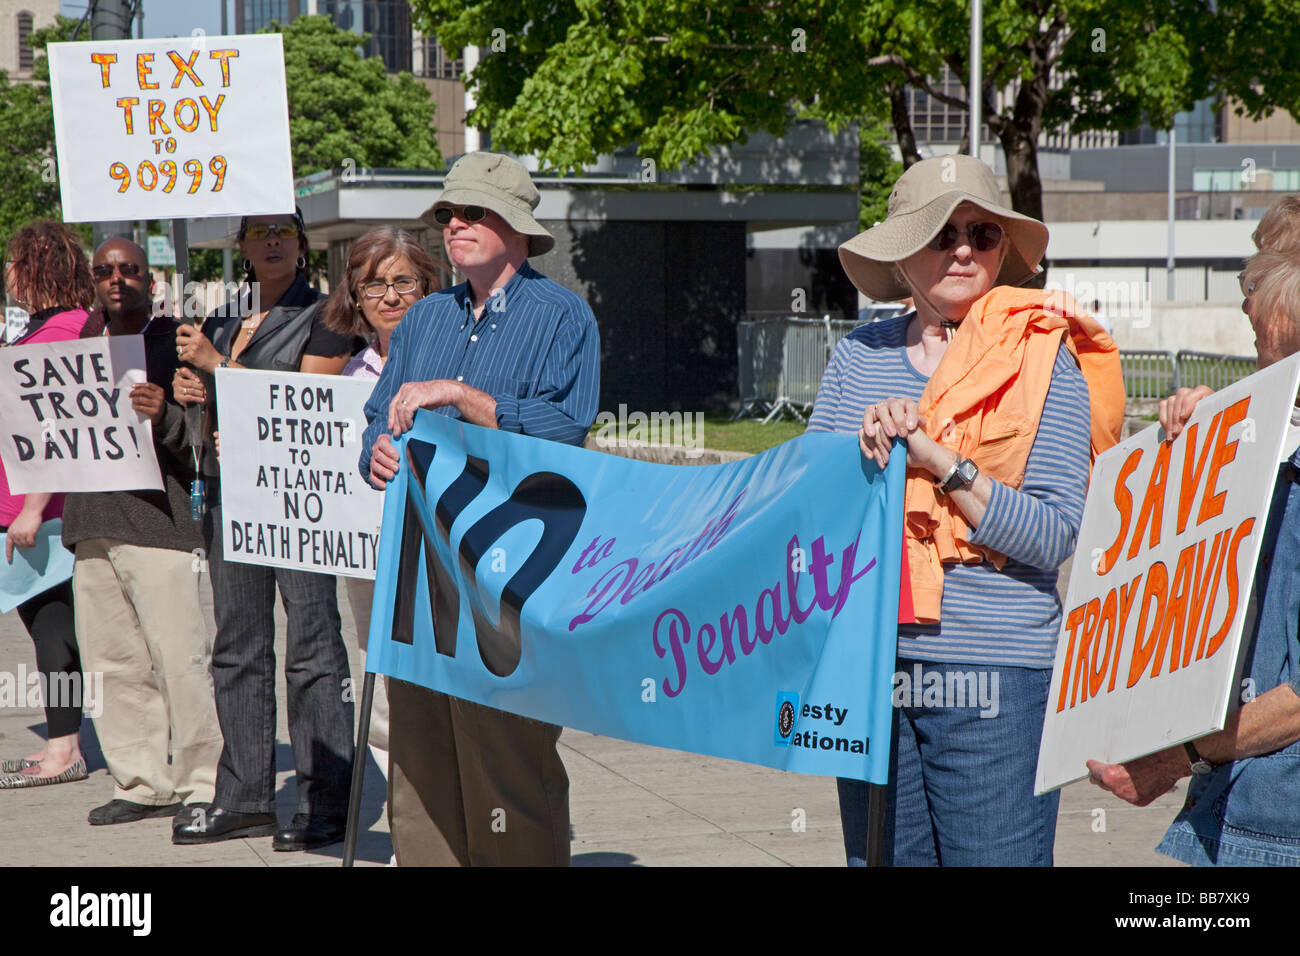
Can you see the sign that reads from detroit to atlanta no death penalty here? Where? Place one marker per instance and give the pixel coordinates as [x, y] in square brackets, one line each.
[168, 129]
[746, 610]
[68, 424]
[291, 495]
[1161, 580]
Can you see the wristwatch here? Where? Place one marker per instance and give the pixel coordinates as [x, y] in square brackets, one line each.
[962, 474]
[1200, 766]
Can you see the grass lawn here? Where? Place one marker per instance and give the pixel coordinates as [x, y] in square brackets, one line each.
[719, 432]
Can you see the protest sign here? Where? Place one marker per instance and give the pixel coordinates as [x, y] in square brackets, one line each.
[1162, 576]
[69, 424]
[171, 128]
[291, 495]
[746, 610]
[46, 564]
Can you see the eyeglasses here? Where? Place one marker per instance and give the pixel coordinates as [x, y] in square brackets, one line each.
[129, 270]
[1247, 289]
[442, 215]
[283, 230]
[983, 236]
[402, 285]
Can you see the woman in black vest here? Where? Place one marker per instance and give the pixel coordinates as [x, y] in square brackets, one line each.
[276, 327]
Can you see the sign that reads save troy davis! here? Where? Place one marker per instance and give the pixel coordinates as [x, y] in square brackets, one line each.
[172, 128]
[291, 495]
[1161, 581]
[68, 424]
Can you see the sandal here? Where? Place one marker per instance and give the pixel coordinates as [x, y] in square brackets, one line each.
[20, 780]
[17, 765]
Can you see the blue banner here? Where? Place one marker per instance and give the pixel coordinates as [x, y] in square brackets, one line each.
[746, 610]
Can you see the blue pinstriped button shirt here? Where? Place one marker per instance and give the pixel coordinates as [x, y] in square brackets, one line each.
[535, 349]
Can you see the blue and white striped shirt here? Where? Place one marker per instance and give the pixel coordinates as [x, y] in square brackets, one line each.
[1012, 616]
[535, 349]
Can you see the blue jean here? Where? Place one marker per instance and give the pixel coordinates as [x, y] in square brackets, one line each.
[961, 785]
[243, 677]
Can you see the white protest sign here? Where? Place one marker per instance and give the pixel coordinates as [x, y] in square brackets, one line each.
[291, 494]
[171, 128]
[68, 422]
[1161, 581]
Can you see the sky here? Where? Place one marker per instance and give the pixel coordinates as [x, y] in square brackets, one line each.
[166, 18]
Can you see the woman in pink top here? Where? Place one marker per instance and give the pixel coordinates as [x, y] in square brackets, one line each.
[50, 275]
[387, 273]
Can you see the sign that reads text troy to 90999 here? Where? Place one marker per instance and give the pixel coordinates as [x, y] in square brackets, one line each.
[169, 129]
[291, 494]
[1162, 578]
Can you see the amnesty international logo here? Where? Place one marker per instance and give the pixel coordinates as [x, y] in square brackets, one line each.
[787, 710]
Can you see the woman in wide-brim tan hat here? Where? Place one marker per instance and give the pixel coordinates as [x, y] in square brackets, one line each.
[962, 793]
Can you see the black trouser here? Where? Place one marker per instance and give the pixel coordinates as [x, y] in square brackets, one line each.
[49, 620]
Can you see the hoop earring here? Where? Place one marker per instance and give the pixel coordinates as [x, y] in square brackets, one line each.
[247, 264]
[302, 263]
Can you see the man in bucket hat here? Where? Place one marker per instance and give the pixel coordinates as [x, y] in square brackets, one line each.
[508, 349]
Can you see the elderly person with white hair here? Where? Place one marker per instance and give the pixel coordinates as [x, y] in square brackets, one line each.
[1242, 807]
[988, 387]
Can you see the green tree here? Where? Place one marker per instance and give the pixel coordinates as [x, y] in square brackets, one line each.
[877, 172]
[27, 159]
[570, 80]
[345, 110]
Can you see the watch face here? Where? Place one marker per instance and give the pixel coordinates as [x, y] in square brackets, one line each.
[967, 471]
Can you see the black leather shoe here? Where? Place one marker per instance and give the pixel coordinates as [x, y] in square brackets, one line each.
[215, 824]
[307, 832]
[124, 811]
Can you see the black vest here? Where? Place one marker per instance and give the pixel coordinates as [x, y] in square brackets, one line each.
[280, 340]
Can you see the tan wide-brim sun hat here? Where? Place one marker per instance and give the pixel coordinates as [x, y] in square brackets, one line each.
[498, 183]
[919, 206]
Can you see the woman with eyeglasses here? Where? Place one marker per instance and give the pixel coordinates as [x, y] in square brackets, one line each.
[387, 272]
[988, 387]
[49, 275]
[277, 326]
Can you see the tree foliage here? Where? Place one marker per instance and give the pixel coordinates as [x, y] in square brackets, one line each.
[345, 110]
[27, 166]
[569, 79]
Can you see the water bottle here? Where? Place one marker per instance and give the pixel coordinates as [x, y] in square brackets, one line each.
[196, 499]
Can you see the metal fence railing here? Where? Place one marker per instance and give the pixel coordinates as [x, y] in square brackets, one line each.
[1147, 373]
[1216, 371]
[781, 361]
[1153, 374]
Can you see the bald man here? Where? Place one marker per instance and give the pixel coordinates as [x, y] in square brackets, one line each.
[139, 557]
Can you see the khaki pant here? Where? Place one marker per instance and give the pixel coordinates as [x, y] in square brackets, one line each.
[473, 786]
[140, 624]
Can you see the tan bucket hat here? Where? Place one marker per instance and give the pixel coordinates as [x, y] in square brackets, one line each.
[501, 184]
[919, 206]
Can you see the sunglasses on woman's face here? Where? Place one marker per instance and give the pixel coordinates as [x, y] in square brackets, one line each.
[129, 270]
[982, 235]
[282, 230]
[443, 214]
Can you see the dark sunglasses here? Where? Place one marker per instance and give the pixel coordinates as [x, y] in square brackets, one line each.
[983, 236]
[129, 270]
[442, 215]
[283, 230]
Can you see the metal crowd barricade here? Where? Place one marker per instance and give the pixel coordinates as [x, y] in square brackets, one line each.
[1148, 373]
[1212, 369]
[781, 361]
